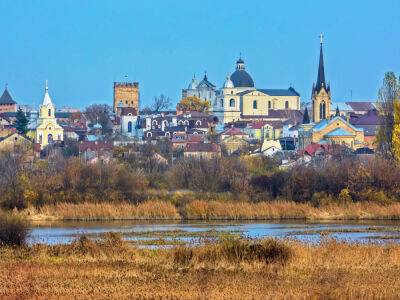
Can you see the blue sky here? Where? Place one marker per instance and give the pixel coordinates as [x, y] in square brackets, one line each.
[82, 47]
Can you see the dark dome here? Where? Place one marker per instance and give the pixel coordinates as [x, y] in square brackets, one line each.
[241, 78]
[240, 61]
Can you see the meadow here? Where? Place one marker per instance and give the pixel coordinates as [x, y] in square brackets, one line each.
[228, 269]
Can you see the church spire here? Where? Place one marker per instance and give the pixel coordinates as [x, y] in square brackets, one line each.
[321, 69]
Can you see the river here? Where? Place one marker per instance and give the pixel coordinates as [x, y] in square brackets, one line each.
[172, 233]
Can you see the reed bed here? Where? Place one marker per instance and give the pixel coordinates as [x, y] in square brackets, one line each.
[230, 269]
[149, 210]
[215, 210]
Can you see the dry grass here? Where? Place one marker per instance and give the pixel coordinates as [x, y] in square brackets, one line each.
[109, 269]
[149, 210]
[215, 210]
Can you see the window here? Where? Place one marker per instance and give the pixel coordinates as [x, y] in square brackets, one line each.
[269, 105]
[286, 104]
[131, 102]
[40, 139]
[232, 103]
[50, 138]
[126, 102]
[222, 102]
[255, 104]
[49, 112]
[129, 126]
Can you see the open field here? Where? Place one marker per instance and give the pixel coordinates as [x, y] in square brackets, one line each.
[229, 269]
[213, 210]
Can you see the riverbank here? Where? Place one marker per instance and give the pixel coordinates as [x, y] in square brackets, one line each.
[213, 210]
[229, 269]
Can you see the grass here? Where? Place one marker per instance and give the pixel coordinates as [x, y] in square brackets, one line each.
[229, 269]
[214, 210]
[13, 230]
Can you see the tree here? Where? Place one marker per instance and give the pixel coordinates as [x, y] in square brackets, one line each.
[22, 122]
[388, 95]
[192, 103]
[396, 131]
[100, 113]
[161, 102]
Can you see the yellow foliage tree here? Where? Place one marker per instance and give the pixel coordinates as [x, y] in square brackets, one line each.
[396, 131]
[193, 103]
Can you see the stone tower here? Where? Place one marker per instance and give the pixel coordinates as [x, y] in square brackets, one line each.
[126, 94]
[321, 92]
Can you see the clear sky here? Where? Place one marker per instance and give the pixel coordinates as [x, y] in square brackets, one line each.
[83, 46]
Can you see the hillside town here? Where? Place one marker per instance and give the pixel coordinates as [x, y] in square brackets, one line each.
[238, 118]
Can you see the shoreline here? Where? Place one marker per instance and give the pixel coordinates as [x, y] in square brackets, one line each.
[157, 210]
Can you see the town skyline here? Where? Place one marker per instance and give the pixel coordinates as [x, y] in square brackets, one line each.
[81, 65]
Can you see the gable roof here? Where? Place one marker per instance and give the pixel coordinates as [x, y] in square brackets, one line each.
[361, 106]
[339, 132]
[233, 131]
[324, 123]
[6, 98]
[206, 83]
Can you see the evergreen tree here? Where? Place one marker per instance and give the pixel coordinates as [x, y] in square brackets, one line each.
[306, 117]
[22, 122]
[337, 114]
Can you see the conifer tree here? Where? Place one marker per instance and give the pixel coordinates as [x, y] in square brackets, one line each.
[21, 123]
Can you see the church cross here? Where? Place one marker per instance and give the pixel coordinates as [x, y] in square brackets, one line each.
[321, 38]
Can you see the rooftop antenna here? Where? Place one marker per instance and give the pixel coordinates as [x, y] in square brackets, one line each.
[321, 38]
[46, 85]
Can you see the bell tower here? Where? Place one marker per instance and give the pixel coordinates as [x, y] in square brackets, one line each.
[321, 91]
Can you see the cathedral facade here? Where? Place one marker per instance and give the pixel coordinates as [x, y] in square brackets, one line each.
[239, 99]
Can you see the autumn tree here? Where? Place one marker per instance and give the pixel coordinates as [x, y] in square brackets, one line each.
[388, 95]
[396, 131]
[193, 103]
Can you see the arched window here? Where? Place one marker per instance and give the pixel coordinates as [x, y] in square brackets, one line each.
[286, 104]
[167, 134]
[129, 126]
[198, 123]
[50, 138]
[180, 122]
[155, 122]
[221, 102]
[149, 134]
[40, 139]
[232, 103]
[49, 112]
[254, 104]
[269, 104]
[186, 122]
[322, 110]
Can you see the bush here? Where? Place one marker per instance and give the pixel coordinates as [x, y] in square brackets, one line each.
[13, 230]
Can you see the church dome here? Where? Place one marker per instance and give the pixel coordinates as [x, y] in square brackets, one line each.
[228, 83]
[240, 78]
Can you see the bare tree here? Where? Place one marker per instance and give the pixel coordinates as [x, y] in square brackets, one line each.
[100, 113]
[161, 102]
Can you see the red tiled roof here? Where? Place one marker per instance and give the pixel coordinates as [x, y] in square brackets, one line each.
[233, 131]
[95, 146]
[201, 147]
[125, 111]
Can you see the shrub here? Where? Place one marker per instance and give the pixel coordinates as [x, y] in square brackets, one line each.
[13, 230]
[344, 197]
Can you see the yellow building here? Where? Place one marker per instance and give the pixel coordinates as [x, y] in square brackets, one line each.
[239, 99]
[126, 94]
[47, 130]
[15, 140]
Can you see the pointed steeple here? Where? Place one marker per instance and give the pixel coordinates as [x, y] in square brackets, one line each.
[46, 99]
[6, 97]
[306, 117]
[321, 68]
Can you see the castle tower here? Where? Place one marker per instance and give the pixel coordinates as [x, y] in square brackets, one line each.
[126, 94]
[321, 92]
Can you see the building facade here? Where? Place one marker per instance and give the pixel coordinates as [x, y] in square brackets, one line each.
[126, 94]
[239, 99]
[48, 130]
[204, 90]
[7, 103]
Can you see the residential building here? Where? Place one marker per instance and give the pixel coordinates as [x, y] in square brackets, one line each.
[202, 150]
